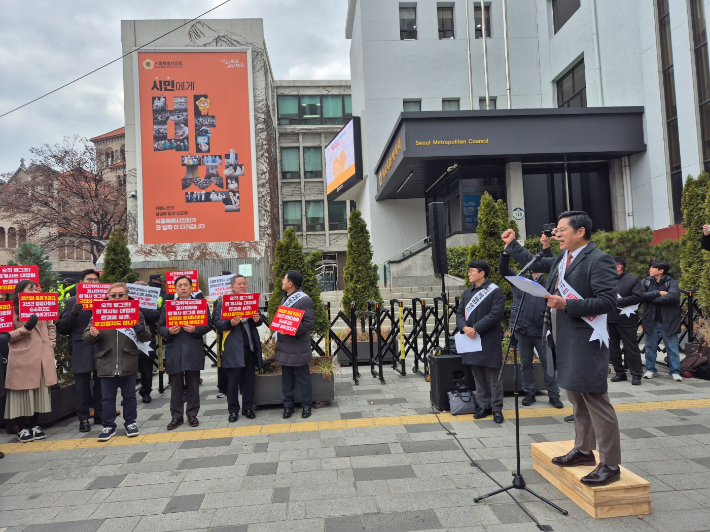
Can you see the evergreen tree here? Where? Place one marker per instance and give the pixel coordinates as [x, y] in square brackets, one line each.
[30, 254]
[692, 261]
[289, 256]
[117, 260]
[360, 272]
[704, 284]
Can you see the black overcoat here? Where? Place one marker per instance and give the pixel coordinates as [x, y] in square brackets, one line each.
[485, 319]
[184, 351]
[233, 350]
[296, 350]
[82, 355]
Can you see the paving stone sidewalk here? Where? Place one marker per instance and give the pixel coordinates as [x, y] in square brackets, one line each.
[396, 478]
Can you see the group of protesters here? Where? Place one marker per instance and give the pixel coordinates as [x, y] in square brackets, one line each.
[106, 360]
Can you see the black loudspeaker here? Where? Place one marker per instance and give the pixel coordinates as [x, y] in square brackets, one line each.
[437, 233]
[447, 373]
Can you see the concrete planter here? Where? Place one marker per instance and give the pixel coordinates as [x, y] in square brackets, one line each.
[363, 353]
[509, 374]
[267, 390]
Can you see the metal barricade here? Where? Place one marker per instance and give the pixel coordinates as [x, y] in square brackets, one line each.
[340, 344]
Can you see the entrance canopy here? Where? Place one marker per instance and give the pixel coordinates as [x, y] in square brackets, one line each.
[425, 146]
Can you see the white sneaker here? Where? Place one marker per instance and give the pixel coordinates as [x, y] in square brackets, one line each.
[676, 377]
[25, 436]
[648, 375]
[38, 434]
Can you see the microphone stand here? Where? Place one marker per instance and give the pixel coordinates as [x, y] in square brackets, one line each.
[518, 480]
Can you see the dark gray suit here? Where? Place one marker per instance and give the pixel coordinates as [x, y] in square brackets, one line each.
[582, 366]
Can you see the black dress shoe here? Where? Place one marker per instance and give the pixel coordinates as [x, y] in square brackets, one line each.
[306, 412]
[569, 419]
[84, 426]
[575, 458]
[636, 380]
[147, 399]
[619, 377]
[192, 421]
[175, 423]
[249, 414]
[288, 412]
[554, 401]
[601, 476]
[233, 417]
[529, 399]
[482, 412]
[498, 416]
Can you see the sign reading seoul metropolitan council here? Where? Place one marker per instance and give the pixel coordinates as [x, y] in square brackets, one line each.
[196, 144]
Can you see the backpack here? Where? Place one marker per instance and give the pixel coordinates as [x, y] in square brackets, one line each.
[692, 361]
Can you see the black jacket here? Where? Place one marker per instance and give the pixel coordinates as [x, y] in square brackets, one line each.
[629, 287]
[485, 319]
[151, 320]
[184, 351]
[233, 344]
[82, 354]
[669, 304]
[705, 242]
[296, 350]
[532, 314]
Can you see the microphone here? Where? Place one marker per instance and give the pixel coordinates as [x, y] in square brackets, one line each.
[529, 265]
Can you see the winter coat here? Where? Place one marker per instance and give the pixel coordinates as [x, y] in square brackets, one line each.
[82, 354]
[233, 344]
[530, 318]
[184, 351]
[668, 304]
[705, 242]
[116, 353]
[582, 366]
[629, 287]
[296, 350]
[485, 319]
[31, 353]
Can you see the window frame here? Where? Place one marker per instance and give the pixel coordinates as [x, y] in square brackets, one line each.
[296, 227]
[492, 100]
[314, 174]
[444, 101]
[339, 225]
[556, 23]
[290, 174]
[411, 33]
[479, 20]
[576, 92]
[445, 33]
[411, 100]
[289, 120]
[318, 226]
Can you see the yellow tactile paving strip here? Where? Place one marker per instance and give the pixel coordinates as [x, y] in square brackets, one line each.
[312, 426]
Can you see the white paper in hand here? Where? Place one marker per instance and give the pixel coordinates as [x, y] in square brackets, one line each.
[528, 286]
[464, 344]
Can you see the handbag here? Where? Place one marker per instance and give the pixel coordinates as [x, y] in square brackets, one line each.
[462, 401]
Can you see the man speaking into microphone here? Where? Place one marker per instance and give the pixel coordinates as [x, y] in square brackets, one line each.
[582, 282]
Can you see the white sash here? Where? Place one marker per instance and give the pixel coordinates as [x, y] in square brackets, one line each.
[143, 346]
[598, 323]
[628, 311]
[290, 300]
[477, 298]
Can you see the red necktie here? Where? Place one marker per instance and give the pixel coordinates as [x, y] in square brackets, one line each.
[569, 260]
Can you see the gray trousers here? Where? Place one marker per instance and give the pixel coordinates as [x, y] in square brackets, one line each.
[489, 389]
[192, 380]
[525, 348]
[596, 425]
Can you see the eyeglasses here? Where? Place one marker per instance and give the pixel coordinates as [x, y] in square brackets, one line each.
[116, 296]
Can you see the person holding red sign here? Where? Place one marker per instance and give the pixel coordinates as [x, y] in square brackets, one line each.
[184, 359]
[294, 352]
[117, 352]
[241, 354]
[30, 369]
[72, 323]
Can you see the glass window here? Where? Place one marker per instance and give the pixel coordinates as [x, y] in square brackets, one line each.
[290, 163]
[407, 23]
[292, 215]
[337, 216]
[312, 162]
[562, 11]
[451, 104]
[445, 18]
[589, 191]
[482, 103]
[310, 110]
[288, 109]
[332, 109]
[702, 72]
[412, 105]
[479, 23]
[315, 217]
[572, 88]
[348, 106]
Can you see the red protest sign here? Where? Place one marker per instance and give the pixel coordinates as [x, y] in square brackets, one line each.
[88, 293]
[181, 312]
[120, 314]
[239, 306]
[286, 320]
[6, 316]
[171, 276]
[44, 306]
[11, 275]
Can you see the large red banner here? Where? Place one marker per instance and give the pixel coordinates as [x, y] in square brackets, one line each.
[171, 276]
[181, 312]
[196, 132]
[286, 320]
[239, 306]
[6, 316]
[120, 314]
[44, 306]
[88, 293]
[11, 275]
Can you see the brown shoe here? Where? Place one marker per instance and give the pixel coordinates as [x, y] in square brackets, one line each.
[601, 476]
[192, 421]
[574, 458]
[175, 423]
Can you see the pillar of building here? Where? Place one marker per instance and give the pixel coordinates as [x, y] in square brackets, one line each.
[618, 198]
[515, 195]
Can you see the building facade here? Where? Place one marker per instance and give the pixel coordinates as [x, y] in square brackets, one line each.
[418, 64]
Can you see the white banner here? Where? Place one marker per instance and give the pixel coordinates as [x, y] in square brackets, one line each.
[598, 323]
[220, 286]
[477, 298]
[147, 296]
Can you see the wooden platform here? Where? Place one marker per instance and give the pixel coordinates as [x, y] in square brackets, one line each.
[631, 495]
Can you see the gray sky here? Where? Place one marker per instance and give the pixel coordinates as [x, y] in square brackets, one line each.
[47, 43]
